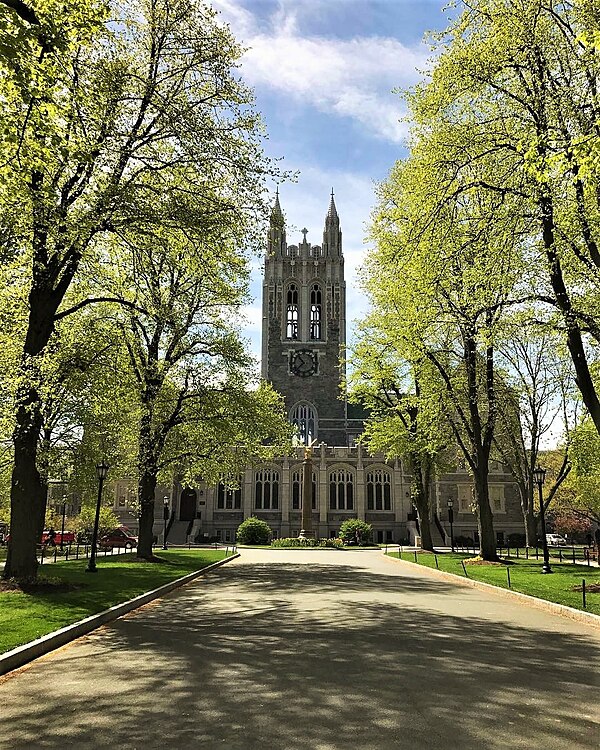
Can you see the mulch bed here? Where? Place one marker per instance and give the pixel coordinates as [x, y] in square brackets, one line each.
[36, 586]
[590, 588]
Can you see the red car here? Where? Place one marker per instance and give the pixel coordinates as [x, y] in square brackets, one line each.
[119, 538]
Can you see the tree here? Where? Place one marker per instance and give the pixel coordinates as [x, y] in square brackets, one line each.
[443, 272]
[191, 374]
[536, 394]
[401, 424]
[517, 83]
[121, 113]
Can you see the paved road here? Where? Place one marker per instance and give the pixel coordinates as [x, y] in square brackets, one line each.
[316, 650]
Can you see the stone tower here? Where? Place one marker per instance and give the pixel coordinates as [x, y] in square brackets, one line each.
[304, 326]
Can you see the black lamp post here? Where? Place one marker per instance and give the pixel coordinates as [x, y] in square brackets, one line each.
[165, 518]
[62, 528]
[101, 470]
[539, 475]
[450, 505]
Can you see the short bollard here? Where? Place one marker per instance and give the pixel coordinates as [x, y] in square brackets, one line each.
[517, 553]
[583, 593]
[587, 556]
[560, 554]
[77, 551]
[415, 553]
[437, 567]
[536, 552]
[400, 552]
[462, 562]
[67, 555]
[55, 553]
[42, 557]
[573, 555]
[508, 576]
[527, 553]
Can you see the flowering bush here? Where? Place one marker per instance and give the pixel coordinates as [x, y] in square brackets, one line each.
[292, 542]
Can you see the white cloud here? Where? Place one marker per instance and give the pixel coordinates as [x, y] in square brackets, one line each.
[350, 77]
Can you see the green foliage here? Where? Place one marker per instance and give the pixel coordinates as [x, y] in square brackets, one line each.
[355, 531]
[84, 522]
[253, 531]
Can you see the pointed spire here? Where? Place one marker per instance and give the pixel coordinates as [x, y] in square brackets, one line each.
[276, 212]
[332, 212]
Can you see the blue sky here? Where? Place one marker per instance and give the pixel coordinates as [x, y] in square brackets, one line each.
[323, 72]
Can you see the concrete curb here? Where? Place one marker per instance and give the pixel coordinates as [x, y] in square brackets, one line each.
[533, 601]
[29, 651]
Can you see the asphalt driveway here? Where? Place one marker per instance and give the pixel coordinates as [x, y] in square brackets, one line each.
[312, 650]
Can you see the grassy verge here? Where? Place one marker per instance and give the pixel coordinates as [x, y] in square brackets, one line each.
[525, 575]
[27, 616]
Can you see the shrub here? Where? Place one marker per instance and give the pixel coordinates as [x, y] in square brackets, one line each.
[294, 541]
[253, 531]
[355, 531]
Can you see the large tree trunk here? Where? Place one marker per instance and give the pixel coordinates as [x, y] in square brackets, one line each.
[147, 480]
[420, 497]
[531, 525]
[28, 495]
[485, 517]
[147, 488]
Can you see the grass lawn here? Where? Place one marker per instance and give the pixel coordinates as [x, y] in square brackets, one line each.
[27, 616]
[525, 577]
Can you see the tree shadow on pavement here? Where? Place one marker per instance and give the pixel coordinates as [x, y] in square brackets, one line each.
[306, 658]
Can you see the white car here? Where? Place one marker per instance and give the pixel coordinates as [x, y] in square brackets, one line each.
[555, 540]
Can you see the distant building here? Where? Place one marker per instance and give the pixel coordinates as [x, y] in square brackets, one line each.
[303, 330]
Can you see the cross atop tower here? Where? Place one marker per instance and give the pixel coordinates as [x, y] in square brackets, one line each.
[304, 232]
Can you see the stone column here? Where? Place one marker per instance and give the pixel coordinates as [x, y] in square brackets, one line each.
[360, 486]
[307, 470]
[285, 498]
[247, 494]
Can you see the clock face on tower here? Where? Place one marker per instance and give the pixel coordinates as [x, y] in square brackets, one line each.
[303, 363]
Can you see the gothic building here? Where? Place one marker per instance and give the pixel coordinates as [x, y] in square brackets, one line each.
[303, 330]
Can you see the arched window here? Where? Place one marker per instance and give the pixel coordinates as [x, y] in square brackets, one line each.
[229, 498]
[379, 490]
[291, 329]
[297, 490]
[341, 490]
[266, 488]
[304, 417]
[315, 312]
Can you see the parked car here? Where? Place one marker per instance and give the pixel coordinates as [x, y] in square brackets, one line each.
[120, 537]
[555, 540]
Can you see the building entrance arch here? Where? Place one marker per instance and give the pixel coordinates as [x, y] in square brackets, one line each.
[187, 504]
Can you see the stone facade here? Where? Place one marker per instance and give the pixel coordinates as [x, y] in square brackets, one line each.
[304, 328]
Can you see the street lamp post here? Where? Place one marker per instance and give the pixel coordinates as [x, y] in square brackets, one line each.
[101, 470]
[62, 528]
[450, 504]
[539, 475]
[165, 519]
